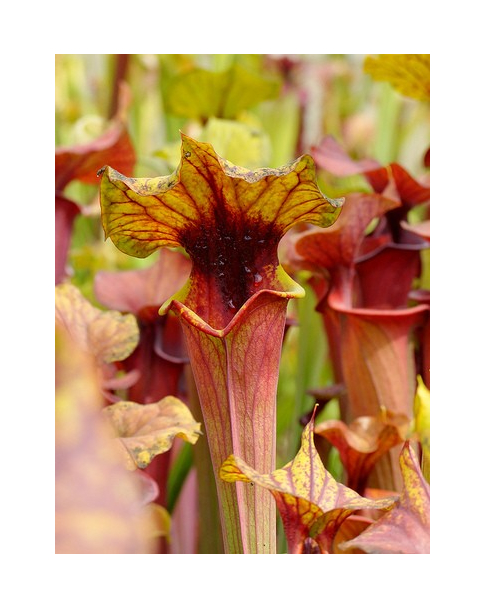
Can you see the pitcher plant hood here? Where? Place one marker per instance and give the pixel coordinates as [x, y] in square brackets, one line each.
[228, 219]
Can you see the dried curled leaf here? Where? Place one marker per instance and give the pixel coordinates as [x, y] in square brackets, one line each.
[148, 430]
[108, 335]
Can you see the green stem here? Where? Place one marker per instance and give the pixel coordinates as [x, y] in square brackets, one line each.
[386, 143]
[178, 474]
[310, 369]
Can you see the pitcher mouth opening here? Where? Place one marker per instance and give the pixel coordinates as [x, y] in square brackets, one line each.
[258, 299]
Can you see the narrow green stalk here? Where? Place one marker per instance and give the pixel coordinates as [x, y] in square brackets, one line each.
[311, 371]
[178, 474]
[386, 143]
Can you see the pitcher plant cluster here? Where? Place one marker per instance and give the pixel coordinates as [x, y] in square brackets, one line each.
[172, 359]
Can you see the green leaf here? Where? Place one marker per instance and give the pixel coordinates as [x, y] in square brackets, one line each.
[201, 94]
[243, 143]
[178, 474]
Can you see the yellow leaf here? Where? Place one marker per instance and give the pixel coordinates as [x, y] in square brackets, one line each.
[421, 412]
[108, 335]
[244, 144]
[408, 74]
[159, 521]
[310, 501]
[149, 430]
[405, 528]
